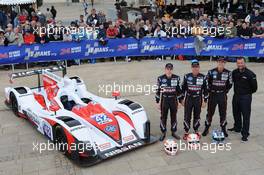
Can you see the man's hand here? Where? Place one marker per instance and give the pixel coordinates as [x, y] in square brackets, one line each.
[183, 102]
[204, 104]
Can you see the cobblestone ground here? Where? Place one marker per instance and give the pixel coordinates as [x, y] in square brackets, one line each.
[17, 135]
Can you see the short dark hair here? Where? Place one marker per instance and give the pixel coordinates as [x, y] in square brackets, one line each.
[241, 58]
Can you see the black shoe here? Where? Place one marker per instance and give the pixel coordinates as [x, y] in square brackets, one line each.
[244, 139]
[224, 130]
[177, 137]
[162, 137]
[234, 129]
[206, 131]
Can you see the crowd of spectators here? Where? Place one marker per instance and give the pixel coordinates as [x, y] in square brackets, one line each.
[31, 26]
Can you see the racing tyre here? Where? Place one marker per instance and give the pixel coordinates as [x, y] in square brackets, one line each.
[14, 104]
[61, 140]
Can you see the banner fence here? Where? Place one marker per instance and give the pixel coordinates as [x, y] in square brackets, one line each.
[92, 49]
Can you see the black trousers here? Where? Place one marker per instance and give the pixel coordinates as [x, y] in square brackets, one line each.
[241, 113]
[192, 104]
[220, 100]
[168, 103]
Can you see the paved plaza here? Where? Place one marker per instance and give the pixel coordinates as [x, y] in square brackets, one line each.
[17, 156]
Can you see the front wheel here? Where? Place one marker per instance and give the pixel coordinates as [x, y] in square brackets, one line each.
[14, 104]
[61, 140]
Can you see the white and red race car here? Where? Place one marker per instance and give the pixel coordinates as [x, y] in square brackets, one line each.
[86, 127]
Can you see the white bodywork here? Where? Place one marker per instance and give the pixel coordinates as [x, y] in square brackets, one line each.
[75, 89]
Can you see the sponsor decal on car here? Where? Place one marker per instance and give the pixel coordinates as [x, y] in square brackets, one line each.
[138, 111]
[32, 116]
[123, 149]
[47, 130]
[110, 128]
[101, 119]
[128, 138]
[77, 128]
[105, 146]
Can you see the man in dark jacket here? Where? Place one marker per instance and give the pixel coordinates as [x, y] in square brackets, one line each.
[245, 84]
[244, 31]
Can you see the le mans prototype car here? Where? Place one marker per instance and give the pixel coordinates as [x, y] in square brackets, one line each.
[63, 110]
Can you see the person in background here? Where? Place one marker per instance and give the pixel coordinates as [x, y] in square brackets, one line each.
[92, 18]
[9, 34]
[33, 17]
[245, 84]
[231, 30]
[81, 20]
[67, 37]
[29, 38]
[3, 39]
[42, 38]
[159, 33]
[101, 18]
[3, 19]
[146, 15]
[57, 33]
[49, 16]
[245, 31]
[19, 40]
[101, 32]
[30, 10]
[53, 12]
[112, 31]
[42, 18]
[22, 17]
[16, 21]
[258, 31]
[256, 17]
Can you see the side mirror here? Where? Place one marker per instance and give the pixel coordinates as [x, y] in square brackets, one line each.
[115, 94]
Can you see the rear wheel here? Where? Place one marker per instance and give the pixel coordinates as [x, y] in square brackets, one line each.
[14, 104]
[61, 140]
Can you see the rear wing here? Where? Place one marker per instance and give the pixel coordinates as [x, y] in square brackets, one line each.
[37, 72]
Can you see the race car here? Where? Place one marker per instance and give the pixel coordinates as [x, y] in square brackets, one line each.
[85, 127]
